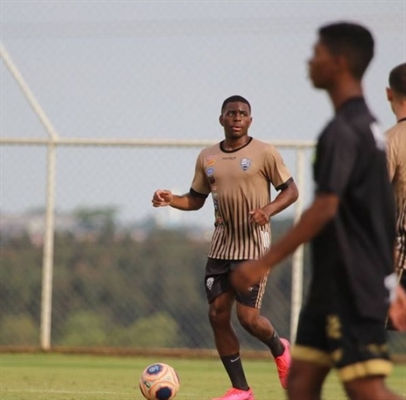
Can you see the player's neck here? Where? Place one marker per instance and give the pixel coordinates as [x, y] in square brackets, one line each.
[343, 91]
[231, 145]
[400, 111]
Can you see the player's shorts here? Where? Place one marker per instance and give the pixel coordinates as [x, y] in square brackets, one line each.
[217, 281]
[344, 340]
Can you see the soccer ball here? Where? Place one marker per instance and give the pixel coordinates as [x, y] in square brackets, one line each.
[159, 381]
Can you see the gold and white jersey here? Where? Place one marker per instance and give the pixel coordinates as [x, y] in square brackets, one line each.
[396, 156]
[239, 182]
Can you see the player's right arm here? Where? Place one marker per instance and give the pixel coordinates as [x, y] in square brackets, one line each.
[194, 199]
[185, 202]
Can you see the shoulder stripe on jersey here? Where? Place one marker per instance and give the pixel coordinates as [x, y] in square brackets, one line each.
[285, 185]
[197, 194]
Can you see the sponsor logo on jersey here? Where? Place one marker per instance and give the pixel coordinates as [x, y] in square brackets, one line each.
[245, 163]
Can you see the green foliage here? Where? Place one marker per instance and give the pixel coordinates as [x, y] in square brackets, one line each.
[84, 328]
[18, 330]
[158, 330]
[110, 289]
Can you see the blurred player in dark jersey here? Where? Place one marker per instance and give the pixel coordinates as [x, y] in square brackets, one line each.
[351, 226]
[238, 173]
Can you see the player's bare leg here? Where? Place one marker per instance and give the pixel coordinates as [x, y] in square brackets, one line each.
[254, 323]
[228, 347]
[306, 380]
[220, 319]
[261, 328]
[371, 388]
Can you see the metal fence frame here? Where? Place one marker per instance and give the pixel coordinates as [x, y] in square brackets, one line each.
[53, 140]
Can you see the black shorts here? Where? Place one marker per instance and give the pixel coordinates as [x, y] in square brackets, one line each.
[217, 281]
[355, 346]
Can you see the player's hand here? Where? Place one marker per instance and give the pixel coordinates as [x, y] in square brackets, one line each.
[259, 217]
[397, 310]
[248, 274]
[162, 198]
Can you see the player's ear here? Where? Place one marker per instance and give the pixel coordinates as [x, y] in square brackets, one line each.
[389, 94]
[341, 63]
[221, 120]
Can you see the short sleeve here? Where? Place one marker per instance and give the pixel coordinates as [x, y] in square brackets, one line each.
[276, 170]
[200, 183]
[335, 158]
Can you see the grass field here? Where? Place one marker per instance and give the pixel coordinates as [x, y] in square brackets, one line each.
[77, 377]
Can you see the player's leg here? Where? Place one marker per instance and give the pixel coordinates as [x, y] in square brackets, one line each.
[306, 380]
[248, 313]
[260, 327]
[221, 298]
[371, 388]
[220, 320]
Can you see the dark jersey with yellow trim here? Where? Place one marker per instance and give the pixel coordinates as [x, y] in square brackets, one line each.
[356, 247]
[239, 182]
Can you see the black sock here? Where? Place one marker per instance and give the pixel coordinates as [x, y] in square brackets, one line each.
[274, 343]
[234, 369]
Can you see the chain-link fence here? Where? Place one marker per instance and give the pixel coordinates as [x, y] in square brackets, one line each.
[125, 274]
[118, 282]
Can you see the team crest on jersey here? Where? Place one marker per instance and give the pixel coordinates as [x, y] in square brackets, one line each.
[245, 163]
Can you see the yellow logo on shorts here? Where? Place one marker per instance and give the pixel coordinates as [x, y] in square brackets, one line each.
[333, 327]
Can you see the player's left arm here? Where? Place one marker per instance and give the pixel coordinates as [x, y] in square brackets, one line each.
[288, 194]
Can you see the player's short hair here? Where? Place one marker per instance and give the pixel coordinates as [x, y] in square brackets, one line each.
[235, 99]
[351, 40]
[397, 79]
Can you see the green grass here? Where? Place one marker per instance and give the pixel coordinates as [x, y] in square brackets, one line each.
[77, 377]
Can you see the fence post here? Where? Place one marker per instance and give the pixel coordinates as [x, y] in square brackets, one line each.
[297, 262]
[48, 251]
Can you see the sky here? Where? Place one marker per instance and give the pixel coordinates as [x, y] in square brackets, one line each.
[160, 70]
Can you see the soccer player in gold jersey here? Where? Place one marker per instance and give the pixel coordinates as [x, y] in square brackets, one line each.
[396, 155]
[238, 173]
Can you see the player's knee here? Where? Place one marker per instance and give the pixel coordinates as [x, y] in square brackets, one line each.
[218, 317]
